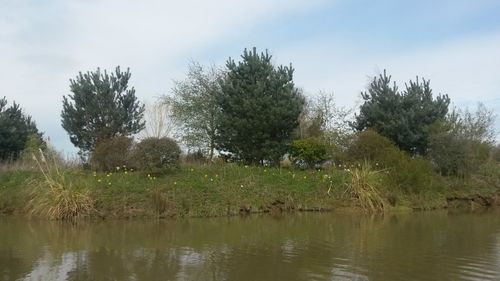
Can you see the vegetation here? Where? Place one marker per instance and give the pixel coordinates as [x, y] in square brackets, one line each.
[404, 117]
[156, 156]
[255, 144]
[100, 107]
[111, 153]
[259, 109]
[194, 107]
[17, 132]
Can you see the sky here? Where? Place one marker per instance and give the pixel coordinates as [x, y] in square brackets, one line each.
[334, 46]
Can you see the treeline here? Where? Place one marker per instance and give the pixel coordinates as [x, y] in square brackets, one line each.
[251, 112]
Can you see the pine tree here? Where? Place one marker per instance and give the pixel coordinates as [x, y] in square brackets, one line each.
[100, 107]
[404, 117]
[259, 108]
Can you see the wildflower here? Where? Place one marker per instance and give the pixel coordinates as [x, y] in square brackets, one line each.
[246, 166]
[175, 183]
[191, 169]
[131, 170]
[99, 180]
[305, 177]
[211, 179]
[125, 172]
[108, 175]
[241, 185]
[265, 170]
[109, 183]
[118, 168]
[206, 176]
[376, 164]
[149, 175]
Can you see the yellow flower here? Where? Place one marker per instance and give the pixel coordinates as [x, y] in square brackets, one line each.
[305, 177]
[175, 183]
[125, 172]
[99, 180]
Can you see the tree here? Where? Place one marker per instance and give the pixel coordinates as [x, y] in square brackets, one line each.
[159, 123]
[100, 107]
[404, 117]
[259, 108]
[17, 130]
[463, 141]
[194, 108]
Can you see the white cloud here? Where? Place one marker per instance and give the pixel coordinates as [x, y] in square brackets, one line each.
[43, 45]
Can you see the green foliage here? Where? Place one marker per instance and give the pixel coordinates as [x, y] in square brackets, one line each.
[311, 151]
[100, 107]
[404, 117]
[156, 156]
[194, 107]
[111, 153]
[260, 107]
[462, 143]
[17, 131]
[411, 174]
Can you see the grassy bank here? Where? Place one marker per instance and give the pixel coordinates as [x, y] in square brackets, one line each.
[222, 190]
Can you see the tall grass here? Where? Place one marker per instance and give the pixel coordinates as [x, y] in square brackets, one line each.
[364, 187]
[55, 197]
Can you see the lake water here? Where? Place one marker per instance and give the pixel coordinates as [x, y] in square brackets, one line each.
[308, 246]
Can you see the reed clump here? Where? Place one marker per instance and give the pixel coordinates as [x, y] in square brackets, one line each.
[55, 197]
[364, 187]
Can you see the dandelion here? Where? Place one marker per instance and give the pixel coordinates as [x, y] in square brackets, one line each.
[206, 176]
[241, 185]
[108, 175]
[109, 183]
[118, 168]
[191, 169]
[265, 170]
[376, 164]
[125, 172]
[305, 177]
[211, 179]
[99, 180]
[175, 183]
[131, 170]
[246, 166]
[149, 175]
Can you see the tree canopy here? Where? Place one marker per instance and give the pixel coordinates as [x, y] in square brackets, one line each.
[259, 108]
[404, 116]
[194, 108]
[100, 107]
[16, 130]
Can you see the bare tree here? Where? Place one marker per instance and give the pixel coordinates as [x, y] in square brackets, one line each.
[159, 121]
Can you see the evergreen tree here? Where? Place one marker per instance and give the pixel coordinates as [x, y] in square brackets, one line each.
[259, 108]
[404, 117]
[100, 107]
[16, 130]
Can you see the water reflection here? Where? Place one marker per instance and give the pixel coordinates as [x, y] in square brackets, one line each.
[422, 246]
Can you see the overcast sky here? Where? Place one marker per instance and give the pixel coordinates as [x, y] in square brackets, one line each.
[334, 46]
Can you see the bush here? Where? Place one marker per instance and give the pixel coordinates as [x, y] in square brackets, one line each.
[405, 173]
[156, 156]
[311, 151]
[111, 153]
[369, 145]
[364, 187]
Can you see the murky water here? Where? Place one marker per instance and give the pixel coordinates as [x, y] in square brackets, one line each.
[421, 246]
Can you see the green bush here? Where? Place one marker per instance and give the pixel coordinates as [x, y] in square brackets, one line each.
[404, 172]
[111, 153]
[156, 156]
[311, 151]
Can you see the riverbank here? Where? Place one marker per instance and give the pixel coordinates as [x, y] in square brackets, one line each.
[218, 190]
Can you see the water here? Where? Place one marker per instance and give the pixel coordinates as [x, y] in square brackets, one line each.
[419, 246]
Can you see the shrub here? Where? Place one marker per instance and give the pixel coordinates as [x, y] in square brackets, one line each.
[406, 173]
[156, 155]
[311, 151]
[111, 153]
[369, 145]
[56, 197]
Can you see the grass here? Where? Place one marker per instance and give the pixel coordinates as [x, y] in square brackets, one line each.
[364, 188]
[204, 191]
[54, 196]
